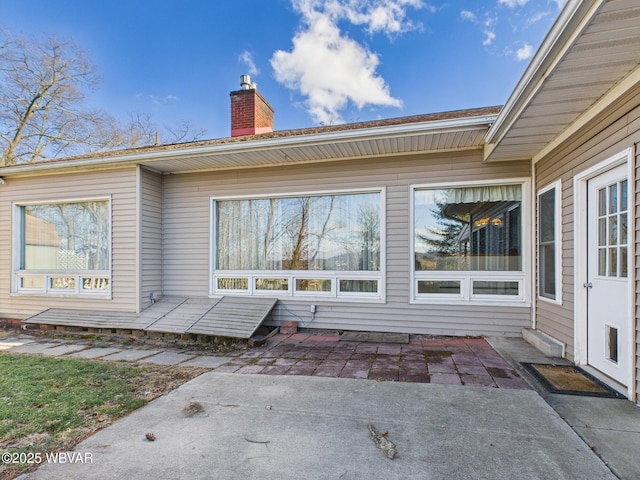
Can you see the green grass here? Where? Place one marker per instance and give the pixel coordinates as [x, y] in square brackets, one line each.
[50, 404]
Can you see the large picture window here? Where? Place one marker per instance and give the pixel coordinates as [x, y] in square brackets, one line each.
[327, 245]
[63, 247]
[468, 242]
[548, 242]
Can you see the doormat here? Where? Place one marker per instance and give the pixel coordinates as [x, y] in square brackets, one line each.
[376, 337]
[570, 380]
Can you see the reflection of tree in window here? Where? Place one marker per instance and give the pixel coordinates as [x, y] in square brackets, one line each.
[325, 232]
[445, 241]
[470, 228]
[81, 232]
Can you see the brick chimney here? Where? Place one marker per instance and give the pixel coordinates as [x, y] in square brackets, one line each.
[250, 112]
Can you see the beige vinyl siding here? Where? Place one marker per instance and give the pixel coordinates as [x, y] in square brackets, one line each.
[120, 186]
[150, 235]
[615, 130]
[186, 215]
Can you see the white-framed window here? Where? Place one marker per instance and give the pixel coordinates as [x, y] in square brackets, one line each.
[63, 247]
[311, 245]
[467, 242]
[549, 242]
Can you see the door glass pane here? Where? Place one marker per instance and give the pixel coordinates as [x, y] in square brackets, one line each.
[613, 262]
[623, 262]
[613, 198]
[613, 230]
[602, 231]
[623, 229]
[602, 202]
[602, 262]
[623, 196]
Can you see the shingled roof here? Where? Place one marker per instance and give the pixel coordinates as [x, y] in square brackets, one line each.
[398, 121]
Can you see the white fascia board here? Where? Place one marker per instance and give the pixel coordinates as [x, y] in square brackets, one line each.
[569, 25]
[312, 139]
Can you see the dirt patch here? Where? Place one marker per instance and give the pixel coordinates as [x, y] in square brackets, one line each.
[436, 353]
[192, 408]
[153, 382]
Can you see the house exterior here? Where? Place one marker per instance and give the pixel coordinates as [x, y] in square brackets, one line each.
[485, 221]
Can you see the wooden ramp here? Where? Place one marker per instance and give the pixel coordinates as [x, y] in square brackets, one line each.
[247, 313]
[237, 317]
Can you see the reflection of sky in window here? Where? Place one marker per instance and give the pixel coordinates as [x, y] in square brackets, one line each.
[424, 220]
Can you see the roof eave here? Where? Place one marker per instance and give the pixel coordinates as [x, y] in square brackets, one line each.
[568, 26]
[148, 157]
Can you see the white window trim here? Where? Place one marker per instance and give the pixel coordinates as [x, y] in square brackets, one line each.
[46, 275]
[557, 241]
[292, 275]
[467, 277]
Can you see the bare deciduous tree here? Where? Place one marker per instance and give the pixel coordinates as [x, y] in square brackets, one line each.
[42, 111]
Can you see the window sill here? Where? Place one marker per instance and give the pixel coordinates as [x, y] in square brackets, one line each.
[551, 301]
[497, 302]
[306, 299]
[84, 296]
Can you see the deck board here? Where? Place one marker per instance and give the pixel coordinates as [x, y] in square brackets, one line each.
[226, 316]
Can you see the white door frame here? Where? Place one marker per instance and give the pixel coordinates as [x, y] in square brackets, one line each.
[580, 255]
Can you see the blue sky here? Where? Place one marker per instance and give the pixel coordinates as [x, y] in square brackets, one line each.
[316, 61]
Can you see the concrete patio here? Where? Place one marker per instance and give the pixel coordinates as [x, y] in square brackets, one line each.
[486, 383]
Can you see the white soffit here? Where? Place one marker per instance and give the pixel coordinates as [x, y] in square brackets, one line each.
[457, 138]
[458, 133]
[601, 54]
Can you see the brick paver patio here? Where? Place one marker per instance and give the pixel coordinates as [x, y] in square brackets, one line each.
[443, 360]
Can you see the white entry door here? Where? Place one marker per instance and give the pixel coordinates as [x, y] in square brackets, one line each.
[608, 315]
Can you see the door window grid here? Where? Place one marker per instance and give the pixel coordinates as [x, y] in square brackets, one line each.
[612, 230]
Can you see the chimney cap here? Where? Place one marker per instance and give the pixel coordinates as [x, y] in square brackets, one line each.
[246, 83]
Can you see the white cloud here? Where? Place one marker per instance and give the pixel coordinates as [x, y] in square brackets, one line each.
[247, 59]
[524, 53]
[513, 3]
[331, 69]
[467, 15]
[378, 16]
[536, 17]
[157, 100]
[490, 36]
[489, 21]
[510, 27]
